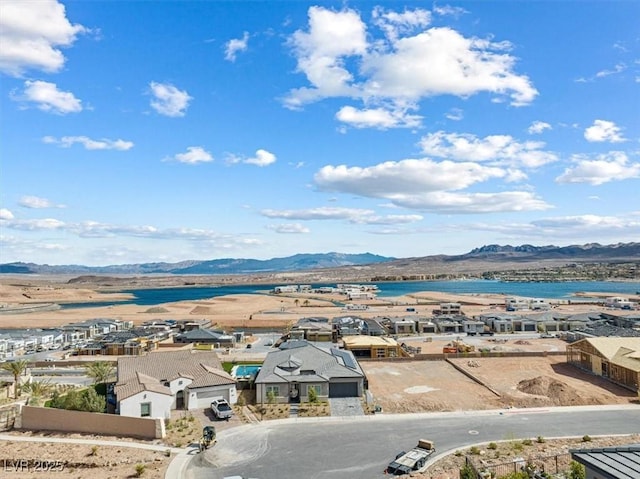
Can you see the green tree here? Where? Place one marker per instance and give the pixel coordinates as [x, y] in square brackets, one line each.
[100, 371]
[17, 369]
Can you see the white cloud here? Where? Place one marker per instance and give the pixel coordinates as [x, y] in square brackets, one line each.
[193, 155]
[498, 149]
[586, 222]
[31, 34]
[169, 100]
[455, 114]
[449, 10]
[406, 177]
[5, 214]
[619, 68]
[36, 202]
[619, 228]
[352, 215]
[321, 52]
[445, 202]
[290, 228]
[338, 61]
[235, 45]
[612, 166]
[262, 158]
[377, 118]
[427, 186]
[538, 127]
[603, 130]
[394, 23]
[41, 224]
[89, 144]
[94, 229]
[48, 98]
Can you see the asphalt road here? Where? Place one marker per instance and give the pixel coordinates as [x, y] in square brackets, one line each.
[360, 448]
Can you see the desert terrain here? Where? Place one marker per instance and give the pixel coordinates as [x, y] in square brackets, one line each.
[398, 386]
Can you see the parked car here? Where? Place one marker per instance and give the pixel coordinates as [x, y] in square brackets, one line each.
[221, 408]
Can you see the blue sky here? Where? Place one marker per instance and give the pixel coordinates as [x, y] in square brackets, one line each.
[165, 131]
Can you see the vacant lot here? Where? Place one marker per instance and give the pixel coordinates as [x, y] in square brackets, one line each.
[415, 386]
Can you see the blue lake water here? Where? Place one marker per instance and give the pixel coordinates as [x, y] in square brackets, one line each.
[150, 297]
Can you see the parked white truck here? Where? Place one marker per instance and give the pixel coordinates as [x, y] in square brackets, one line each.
[414, 460]
[221, 408]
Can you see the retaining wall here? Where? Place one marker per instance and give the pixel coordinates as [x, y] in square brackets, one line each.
[61, 420]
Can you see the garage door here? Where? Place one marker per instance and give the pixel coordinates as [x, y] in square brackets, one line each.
[343, 390]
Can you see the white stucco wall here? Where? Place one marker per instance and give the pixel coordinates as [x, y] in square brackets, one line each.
[160, 404]
[179, 384]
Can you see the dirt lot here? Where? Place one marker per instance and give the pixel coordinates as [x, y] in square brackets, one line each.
[19, 460]
[418, 386]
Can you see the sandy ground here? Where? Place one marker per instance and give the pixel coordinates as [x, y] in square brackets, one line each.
[419, 386]
[19, 303]
[19, 460]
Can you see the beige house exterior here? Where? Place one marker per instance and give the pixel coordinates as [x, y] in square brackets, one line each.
[154, 384]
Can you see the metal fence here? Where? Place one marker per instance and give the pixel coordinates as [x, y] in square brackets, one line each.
[536, 466]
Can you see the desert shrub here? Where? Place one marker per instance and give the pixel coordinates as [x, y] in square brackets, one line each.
[577, 471]
[474, 450]
[313, 395]
[586, 438]
[540, 440]
[467, 472]
[94, 451]
[516, 475]
[518, 446]
[140, 468]
[527, 442]
[271, 397]
[492, 445]
[85, 400]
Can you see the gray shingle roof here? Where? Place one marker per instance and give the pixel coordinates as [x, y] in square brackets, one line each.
[305, 363]
[611, 462]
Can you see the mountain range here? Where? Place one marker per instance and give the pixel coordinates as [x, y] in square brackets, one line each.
[494, 254]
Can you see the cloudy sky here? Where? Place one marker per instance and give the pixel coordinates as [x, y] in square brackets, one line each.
[138, 131]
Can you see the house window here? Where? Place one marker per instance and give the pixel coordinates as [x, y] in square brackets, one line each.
[275, 390]
[145, 409]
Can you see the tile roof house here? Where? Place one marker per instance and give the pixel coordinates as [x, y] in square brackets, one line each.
[287, 375]
[154, 384]
[622, 462]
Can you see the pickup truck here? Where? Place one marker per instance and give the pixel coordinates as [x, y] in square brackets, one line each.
[221, 408]
[412, 461]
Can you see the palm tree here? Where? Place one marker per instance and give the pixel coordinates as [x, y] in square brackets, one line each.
[38, 390]
[296, 302]
[100, 371]
[17, 368]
